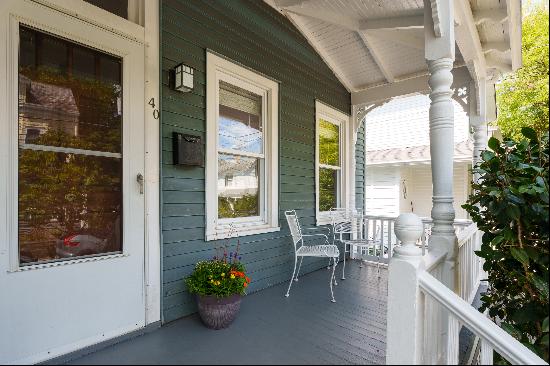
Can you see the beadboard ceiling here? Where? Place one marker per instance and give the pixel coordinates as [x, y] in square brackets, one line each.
[370, 43]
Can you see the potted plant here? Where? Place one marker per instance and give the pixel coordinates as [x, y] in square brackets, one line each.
[219, 285]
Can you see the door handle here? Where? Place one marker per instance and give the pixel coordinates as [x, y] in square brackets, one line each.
[141, 182]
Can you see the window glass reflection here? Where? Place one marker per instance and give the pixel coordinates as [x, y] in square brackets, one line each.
[238, 186]
[328, 189]
[70, 144]
[329, 141]
[72, 90]
[240, 123]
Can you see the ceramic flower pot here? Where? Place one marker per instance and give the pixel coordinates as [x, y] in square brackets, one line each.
[218, 313]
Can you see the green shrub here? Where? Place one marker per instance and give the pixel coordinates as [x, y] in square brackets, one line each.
[510, 205]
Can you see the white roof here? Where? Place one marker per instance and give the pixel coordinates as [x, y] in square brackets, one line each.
[369, 43]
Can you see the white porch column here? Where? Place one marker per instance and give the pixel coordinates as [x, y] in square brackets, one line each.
[440, 54]
[442, 146]
[352, 171]
[482, 111]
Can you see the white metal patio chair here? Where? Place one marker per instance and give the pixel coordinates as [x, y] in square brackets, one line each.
[365, 244]
[302, 250]
[346, 226]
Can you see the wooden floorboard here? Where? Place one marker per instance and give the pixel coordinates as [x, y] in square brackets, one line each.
[305, 328]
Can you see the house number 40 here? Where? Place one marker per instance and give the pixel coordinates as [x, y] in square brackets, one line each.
[155, 111]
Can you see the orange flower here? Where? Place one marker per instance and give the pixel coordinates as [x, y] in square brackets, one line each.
[245, 284]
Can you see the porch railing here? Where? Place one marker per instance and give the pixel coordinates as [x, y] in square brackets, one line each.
[424, 316]
[469, 264]
[382, 228]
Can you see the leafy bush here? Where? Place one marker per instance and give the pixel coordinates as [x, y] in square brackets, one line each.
[510, 205]
[522, 96]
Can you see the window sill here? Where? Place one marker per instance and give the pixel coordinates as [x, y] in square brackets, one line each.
[241, 230]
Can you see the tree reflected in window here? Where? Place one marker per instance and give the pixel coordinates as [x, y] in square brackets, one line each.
[70, 145]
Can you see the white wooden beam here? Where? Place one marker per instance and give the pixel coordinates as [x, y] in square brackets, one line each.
[442, 46]
[493, 62]
[376, 55]
[409, 38]
[513, 9]
[435, 11]
[297, 7]
[299, 24]
[490, 15]
[418, 84]
[467, 39]
[407, 22]
[495, 46]
[325, 16]
[287, 3]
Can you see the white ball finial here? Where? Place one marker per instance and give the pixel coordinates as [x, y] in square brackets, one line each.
[408, 229]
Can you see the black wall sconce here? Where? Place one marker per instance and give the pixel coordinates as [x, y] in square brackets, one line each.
[182, 78]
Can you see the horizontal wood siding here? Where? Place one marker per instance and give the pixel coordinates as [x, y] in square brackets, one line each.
[257, 36]
[360, 168]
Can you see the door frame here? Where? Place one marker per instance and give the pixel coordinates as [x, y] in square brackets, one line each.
[146, 34]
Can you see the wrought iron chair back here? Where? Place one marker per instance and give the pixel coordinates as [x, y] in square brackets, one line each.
[345, 221]
[294, 226]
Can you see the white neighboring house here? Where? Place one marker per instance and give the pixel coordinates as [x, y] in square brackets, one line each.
[398, 173]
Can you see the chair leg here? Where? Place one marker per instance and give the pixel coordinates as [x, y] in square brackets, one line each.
[344, 266]
[292, 278]
[335, 262]
[299, 267]
[331, 280]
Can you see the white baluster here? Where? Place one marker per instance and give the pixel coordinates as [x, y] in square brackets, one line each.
[486, 353]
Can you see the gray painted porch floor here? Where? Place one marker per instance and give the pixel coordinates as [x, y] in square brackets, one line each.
[305, 328]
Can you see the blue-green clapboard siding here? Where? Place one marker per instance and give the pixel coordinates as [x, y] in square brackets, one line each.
[255, 35]
[360, 168]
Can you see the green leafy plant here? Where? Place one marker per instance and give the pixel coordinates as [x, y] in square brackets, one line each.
[222, 276]
[510, 205]
[522, 96]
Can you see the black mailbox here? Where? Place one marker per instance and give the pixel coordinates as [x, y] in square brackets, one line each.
[188, 150]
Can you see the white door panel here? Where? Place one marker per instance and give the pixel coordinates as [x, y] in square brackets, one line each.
[55, 307]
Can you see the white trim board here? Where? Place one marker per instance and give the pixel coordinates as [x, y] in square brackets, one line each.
[152, 163]
[217, 69]
[347, 152]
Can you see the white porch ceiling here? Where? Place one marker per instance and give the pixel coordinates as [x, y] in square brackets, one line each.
[370, 43]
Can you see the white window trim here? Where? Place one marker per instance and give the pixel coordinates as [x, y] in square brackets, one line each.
[341, 119]
[218, 68]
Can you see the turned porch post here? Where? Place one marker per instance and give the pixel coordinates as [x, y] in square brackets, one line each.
[440, 55]
[482, 111]
[442, 146]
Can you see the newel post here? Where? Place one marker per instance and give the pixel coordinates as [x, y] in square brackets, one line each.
[405, 302]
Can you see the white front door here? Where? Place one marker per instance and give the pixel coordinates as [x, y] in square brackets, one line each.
[71, 206]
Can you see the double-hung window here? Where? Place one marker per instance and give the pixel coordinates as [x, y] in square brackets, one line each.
[241, 162]
[331, 163]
